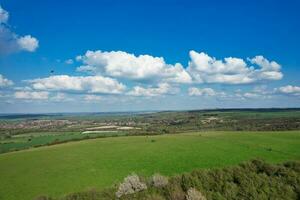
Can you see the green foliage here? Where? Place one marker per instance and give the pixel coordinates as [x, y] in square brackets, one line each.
[253, 180]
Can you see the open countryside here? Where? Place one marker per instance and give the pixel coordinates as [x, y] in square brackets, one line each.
[149, 100]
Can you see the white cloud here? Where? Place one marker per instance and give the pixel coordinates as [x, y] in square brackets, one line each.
[265, 64]
[262, 90]
[86, 68]
[92, 98]
[61, 97]
[258, 92]
[201, 69]
[25, 88]
[289, 89]
[268, 70]
[69, 61]
[4, 82]
[32, 95]
[28, 43]
[124, 65]
[162, 89]
[11, 42]
[193, 91]
[86, 84]
[27, 93]
[206, 69]
[251, 95]
[3, 15]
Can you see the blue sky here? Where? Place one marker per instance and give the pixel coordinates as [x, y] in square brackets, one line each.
[121, 55]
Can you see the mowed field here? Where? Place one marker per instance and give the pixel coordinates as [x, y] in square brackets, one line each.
[76, 166]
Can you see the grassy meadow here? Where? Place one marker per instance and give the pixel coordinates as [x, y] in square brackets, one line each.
[76, 166]
[37, 139]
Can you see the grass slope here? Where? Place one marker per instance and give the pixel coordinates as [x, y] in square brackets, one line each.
[29, 140]
[75, 166]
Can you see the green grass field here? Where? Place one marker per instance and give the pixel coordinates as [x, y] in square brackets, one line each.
[75, 166]
[30, 140]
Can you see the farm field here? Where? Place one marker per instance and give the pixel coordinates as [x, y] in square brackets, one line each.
[37, 139]
[76, 166]
[19, 132]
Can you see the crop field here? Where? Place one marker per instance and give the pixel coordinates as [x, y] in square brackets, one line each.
[76, 166]
[37, 139]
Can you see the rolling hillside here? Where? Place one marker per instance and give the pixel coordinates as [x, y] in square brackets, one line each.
[75, 166]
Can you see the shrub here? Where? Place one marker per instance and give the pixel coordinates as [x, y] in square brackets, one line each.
[193, 194]
[173, 190]
[130, 185]
[159, 181]
[176, 193]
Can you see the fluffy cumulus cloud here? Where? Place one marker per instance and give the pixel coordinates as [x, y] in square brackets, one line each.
[125, 65]
[162, 89]
[289, 89]
[193, 91]
[28, 43]
[85, 84]
[32, 95]
[202, 68]
[206, 69]
[269, 70]
[154, 76]
[11, 42]
[4, 82]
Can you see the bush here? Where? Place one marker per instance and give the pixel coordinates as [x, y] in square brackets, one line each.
[177, 193]
[130, 185]
[193, 194]
[159, 181]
